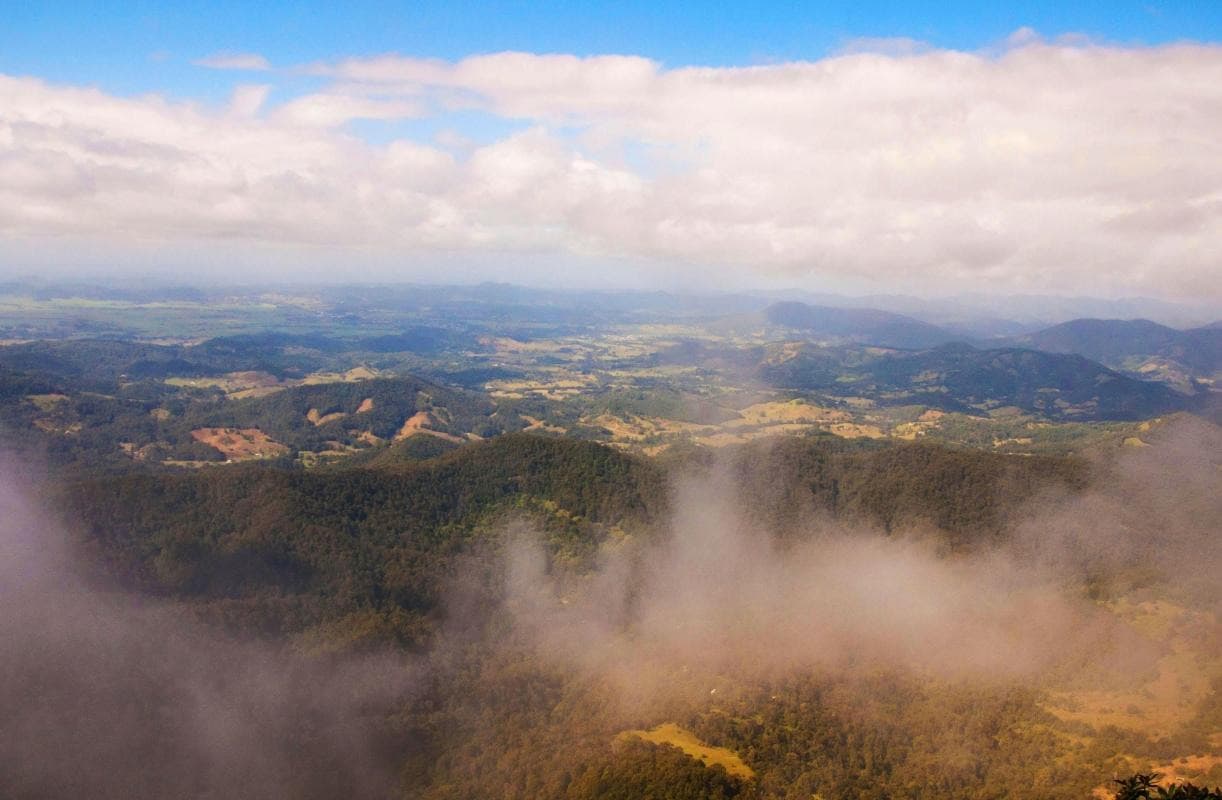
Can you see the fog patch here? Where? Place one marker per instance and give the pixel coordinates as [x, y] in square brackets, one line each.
[107, 695]
[719, 593]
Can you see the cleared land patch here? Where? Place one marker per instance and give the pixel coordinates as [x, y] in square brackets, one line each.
[248, 383]
[561, 387]
[794, 411]
[754, 422]
[354, 375]
[416, 423]
[533, 424]
[51, 426]
[240, 444]
[1168, 698]
[46, 402]
[317, 418]
[675, 736]
[251, 383]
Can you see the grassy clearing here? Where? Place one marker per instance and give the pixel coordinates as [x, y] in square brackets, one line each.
[792, 411]
[756, 421]
[534, 424]
[1170, 697]
[675, 736]
[239, 385]
[560, 385]
[46, 402]
[358, 373]
[233, 383]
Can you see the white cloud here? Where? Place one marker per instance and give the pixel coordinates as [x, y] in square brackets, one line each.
[238, 61]
[330, 110]
[247, 99]
[1044, 167]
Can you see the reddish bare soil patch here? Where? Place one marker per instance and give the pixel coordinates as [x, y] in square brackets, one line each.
[416, 423]
[239, 444]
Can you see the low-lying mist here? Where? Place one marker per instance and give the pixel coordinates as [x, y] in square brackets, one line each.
[106, 695]
[721, 593]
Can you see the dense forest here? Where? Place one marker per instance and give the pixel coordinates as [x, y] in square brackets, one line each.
[326, 572]
[378, 540]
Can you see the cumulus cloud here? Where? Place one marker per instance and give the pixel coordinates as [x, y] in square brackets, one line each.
[1061, 166]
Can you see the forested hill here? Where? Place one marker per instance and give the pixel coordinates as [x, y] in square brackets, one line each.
[309, 416]
[346, 563]
[965, 494]
[958, 377]
[863, 325]
[286, 550]
[1114, 341]
[1189, 359]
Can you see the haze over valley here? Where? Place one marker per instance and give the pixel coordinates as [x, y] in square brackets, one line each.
[599, 402]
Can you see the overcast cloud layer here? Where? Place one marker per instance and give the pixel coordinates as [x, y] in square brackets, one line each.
[1062, 167]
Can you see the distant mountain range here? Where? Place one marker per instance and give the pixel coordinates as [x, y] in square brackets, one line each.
[861, 325]
[465, 364]
[1189, 360]
[959, 377]
[1010, 315]
[1138, 347]
[977, 315]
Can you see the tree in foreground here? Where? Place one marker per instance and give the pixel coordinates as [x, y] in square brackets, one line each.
[1144, 786]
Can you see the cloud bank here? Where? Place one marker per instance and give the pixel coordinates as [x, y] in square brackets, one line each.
[1047, 166]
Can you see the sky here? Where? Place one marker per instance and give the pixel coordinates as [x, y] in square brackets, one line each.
[926, 148]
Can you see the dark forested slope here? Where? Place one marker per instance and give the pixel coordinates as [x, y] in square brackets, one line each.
[280, 543]
[957, 377]
[350, 559]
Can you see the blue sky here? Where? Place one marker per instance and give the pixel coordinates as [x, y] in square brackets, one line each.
[133, 47]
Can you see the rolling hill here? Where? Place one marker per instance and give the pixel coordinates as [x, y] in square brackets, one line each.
[959, 377]
[1138, 347]
[858, 325]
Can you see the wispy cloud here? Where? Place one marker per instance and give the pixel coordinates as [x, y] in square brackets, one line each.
[238, 61]
[885, 45]
[1048, 165]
